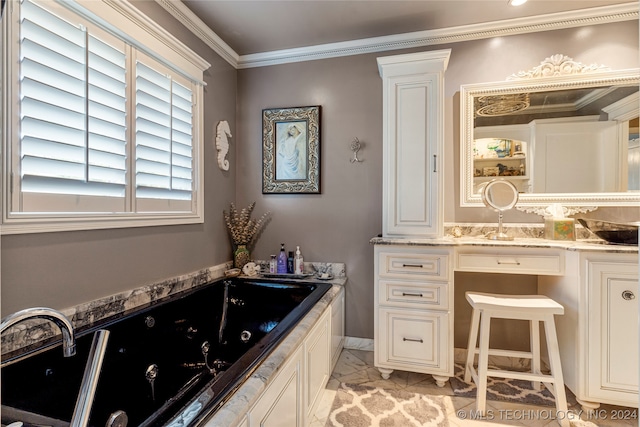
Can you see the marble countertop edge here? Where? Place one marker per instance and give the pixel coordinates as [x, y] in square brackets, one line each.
[524, 242]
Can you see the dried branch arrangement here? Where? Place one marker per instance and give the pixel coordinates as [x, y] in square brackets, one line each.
[242, 228]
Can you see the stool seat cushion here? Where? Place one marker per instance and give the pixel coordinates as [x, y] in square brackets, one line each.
[524, 303]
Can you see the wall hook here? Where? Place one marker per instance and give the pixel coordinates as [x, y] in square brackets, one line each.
[356, 145]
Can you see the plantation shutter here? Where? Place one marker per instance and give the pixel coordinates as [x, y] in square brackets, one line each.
[73, 115]
[164, 138]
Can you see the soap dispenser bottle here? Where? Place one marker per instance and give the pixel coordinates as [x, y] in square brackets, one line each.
[282, 260]
[298, 262]
[290, 269]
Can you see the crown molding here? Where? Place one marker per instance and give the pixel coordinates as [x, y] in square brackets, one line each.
[190, 20]
[547, 22]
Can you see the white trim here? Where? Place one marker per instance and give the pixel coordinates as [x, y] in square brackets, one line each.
[124, 18]
[547, 22]
[52, 225]
[354, 343]
[625, 109]
[17, 222]
[190, 20]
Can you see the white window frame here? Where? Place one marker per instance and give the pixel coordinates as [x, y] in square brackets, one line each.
[123, 20]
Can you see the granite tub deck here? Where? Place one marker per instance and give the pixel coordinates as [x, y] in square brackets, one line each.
[32, 334]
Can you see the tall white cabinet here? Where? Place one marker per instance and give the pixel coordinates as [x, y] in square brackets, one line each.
[413, 324]
[413, 134]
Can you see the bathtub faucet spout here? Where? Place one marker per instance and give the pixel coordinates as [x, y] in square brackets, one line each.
[64, 324]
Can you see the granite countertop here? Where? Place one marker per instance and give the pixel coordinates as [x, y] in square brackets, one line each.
[595, 245]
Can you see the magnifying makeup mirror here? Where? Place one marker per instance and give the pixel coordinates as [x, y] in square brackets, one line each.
[500, 195]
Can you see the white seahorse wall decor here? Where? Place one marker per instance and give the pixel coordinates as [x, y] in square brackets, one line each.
[222, 144]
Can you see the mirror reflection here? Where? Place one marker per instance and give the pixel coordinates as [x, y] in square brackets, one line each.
[557, 138]
[567, 130]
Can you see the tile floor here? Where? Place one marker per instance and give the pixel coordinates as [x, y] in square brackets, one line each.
[356, 366]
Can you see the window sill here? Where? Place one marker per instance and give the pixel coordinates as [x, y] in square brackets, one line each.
[17, 225]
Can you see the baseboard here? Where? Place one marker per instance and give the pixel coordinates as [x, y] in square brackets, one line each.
[459, 355]
[354, 343]
[504, 362]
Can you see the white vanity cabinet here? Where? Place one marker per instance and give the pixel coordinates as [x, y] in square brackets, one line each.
[292, 396]
[598, 334]
[413, 311]
[413, 138]
[612, 330]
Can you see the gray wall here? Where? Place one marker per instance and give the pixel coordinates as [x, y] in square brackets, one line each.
[337, 224]
[63, 269]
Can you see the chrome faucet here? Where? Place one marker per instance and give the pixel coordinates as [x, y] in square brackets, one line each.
[68, 335]
[92, 370]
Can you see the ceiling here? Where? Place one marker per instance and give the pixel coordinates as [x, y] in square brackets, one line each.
[250, 26]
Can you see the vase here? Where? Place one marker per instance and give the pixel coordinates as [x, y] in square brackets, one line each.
[241, 256]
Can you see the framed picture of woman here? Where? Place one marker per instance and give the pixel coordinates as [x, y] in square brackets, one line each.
[291, 150]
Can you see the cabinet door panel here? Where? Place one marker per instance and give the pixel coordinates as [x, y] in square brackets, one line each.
[337, 328]
[620, 334]
[612, 362]
[413, 129]
[281, 403]
[317, 362]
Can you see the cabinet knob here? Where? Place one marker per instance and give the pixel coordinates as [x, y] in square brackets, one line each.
[628, 295]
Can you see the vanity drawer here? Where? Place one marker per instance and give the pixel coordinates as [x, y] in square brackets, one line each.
[413, 265]
[549, 263]
[397, 293]
[413, 340]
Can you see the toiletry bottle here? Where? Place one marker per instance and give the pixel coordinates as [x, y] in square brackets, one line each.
[290, 263]
[273, 264]
[282, 260]
[298, 262]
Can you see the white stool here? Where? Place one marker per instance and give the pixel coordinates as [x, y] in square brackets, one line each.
[535, 308]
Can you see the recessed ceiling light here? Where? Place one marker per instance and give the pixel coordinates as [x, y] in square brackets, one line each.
[517, 2]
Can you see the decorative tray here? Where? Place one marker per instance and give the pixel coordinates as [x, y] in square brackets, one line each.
[286, 275]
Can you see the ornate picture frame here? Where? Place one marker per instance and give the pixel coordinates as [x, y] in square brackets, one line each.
[291, 150]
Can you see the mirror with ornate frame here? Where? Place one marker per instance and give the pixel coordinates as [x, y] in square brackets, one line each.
[562, 132]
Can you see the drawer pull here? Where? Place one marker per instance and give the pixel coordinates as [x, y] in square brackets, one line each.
[407, 294]
[413, 340]
[513, 262]
[412, 265]
[628, 295]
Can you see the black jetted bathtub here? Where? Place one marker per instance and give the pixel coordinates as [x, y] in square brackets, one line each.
[171, 363]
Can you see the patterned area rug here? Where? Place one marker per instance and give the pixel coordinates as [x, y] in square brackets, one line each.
[365, 406]
[503, 389]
